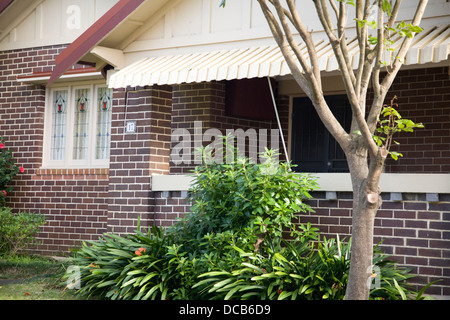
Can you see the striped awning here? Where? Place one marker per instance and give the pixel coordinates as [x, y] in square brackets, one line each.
[432, 45]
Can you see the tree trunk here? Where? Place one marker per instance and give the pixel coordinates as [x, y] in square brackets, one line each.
[366, 201]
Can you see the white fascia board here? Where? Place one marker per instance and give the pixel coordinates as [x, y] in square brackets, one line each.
[67, 77]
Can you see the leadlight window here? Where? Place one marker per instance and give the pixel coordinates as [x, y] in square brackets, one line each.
[78, 126]
[81, 126]
[104, 112]
[59, 125]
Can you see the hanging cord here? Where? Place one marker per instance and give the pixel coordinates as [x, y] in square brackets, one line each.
[278, 119]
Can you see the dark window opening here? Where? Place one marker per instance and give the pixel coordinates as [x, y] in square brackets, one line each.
[313, 148]
[249, 99]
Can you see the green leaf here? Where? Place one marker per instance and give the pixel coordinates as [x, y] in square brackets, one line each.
[296, 276]
[215, 273]
[284, 295]
[421, 292]
[198, 284]
[386, 6]
[373, 40]
[400, 290]
[395, 155]
[220, 284]
[107, 283]
[253, 267]
[148, 277]
[135, 272]
[129, 282]
[230, 293]
[121, 253]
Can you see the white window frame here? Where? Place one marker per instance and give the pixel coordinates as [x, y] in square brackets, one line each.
[69, 162]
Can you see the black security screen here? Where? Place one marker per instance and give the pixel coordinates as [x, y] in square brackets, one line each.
[313, 148]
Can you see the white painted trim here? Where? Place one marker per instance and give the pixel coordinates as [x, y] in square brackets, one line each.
[66, 77]
[68, 162]
[171, 182]
[390, 182]
[112, 56]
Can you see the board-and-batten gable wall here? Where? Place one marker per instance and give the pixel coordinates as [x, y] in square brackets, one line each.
[188, 26]
[48, 22]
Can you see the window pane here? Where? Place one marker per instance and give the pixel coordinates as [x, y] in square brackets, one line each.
[313, 148]
[81, 125]
[59, 125]
[103, 123]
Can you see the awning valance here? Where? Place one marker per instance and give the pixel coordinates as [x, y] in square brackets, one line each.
[433, 45]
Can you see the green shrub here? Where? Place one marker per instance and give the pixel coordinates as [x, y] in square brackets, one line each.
[231, 246]
[243, 197]
[8, 170]
[308, 268]
[17, 231]
[118, 267]
[295, 270]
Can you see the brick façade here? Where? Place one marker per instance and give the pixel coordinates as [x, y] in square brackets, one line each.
[82, 204]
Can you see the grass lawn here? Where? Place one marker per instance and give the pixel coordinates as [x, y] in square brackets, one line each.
[32, 278]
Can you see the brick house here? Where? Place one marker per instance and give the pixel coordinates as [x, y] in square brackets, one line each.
[93, 118]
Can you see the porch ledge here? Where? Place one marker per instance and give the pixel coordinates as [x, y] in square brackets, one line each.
[390, 182]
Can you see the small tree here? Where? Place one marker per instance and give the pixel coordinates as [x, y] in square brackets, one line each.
[365, 153]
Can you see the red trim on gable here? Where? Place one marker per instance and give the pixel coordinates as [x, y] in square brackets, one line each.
[100, 29]
[4, 4]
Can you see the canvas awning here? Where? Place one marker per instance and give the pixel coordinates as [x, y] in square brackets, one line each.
[432, 45]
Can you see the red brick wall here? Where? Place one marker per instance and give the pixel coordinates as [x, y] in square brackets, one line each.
[74, 201]
[414, 231]
[423, 96]
[82, 204]
[136, 156]
[205, 102]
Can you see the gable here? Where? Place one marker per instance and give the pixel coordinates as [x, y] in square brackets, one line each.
[48, 22]
[191, 23]
[199, 22]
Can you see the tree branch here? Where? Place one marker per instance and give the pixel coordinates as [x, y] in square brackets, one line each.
[313, 91]
[284, 47]
[358, 116]
[389, 78]
[307, 38]
[379, 51]
[295, 48]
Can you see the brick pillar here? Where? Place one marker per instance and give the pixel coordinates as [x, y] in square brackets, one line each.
[135, 156]
[204, 102]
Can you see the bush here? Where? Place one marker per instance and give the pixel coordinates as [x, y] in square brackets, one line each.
[256, 201]
[230, 246]
[17, 230]
[8, 170]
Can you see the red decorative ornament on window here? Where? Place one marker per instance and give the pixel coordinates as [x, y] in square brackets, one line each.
[105, 101]
[82, 102]
[60, 104]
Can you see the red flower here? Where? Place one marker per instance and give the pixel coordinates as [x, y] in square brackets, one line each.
[139, 251]
[4, 193]
[2, 145]
[22, 169]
